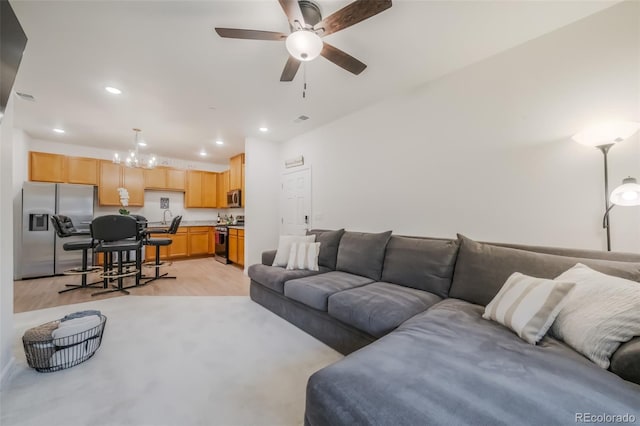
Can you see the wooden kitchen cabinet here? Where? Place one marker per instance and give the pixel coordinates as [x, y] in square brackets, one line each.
[241, 247]
[180, 245]
[201, 189]
[198, 240]
[82, 170]
[242, 189]
[45, 167]
[233, 245]
[223, 188]
[235, 171]
[209, 189]
[113, 176]
[155, 178]
[164, 178]
[175, 179]
[236, 245]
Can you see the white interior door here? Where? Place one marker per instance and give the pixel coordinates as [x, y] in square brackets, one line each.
[295, 205]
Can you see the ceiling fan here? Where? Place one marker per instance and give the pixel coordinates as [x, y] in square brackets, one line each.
[307, 27]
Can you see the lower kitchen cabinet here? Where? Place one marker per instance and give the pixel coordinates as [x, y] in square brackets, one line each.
[188, 241]
[198, 240]
[236, 245]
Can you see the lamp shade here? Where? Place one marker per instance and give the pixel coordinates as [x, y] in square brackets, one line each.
[304, 45]
[605, 133]
[627, 194]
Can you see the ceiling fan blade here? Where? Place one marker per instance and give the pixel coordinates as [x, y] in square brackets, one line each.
[250, 34]
[290, 69]
[342, 59]
[351, 14]
[292, 10]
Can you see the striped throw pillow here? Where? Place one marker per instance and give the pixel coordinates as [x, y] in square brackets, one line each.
[528, 305]
[304, 256]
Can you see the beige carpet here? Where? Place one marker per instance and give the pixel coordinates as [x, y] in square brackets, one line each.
[171, 361]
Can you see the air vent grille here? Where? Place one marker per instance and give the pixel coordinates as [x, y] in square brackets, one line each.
[301, 119]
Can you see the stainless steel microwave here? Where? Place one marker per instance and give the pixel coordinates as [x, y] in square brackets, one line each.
[234, 198]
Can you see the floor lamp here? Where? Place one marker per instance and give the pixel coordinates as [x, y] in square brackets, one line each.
[603, 136]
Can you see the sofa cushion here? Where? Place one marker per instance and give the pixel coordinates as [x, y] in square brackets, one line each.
[422, 263]
[448, 366]
[274, 277]
[329, 243]
[380, 307]
[481, 268]
[362, 253]
[315, 290]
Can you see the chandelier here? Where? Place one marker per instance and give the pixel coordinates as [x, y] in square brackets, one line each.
[134, 158]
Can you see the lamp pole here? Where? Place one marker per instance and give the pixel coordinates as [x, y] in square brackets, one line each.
[605, 150]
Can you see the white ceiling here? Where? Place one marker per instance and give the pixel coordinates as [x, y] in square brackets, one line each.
[185, 87]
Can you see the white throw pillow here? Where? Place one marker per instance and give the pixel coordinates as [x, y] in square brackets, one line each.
[601, 313]
[528, 305]
[304, 256]
[284, 247]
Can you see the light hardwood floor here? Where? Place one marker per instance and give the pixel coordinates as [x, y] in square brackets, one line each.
[195, 277]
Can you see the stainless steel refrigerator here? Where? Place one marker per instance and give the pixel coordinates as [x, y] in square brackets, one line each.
[42, 252]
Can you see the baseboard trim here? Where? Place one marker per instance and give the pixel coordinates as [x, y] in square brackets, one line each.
[5, 371]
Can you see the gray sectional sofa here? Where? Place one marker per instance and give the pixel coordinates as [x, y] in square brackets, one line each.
[408, 313]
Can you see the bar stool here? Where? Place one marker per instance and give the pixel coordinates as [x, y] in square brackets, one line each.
[64, 228]
[117, 234]
[157, 243]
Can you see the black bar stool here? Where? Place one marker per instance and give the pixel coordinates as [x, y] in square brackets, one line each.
[157, 243]
[117, 234]
[64, 228]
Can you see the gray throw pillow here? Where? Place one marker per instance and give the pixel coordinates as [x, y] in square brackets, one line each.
[329, 243]
[422, 263]
[362, 253]
[481, 268]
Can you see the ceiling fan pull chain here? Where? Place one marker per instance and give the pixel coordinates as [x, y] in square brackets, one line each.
[304, 76]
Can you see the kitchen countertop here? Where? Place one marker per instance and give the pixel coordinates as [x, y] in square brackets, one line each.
[188, 223]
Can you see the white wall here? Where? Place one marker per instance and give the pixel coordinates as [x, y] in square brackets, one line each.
[6, 242]
[486, 151]
[262, 182]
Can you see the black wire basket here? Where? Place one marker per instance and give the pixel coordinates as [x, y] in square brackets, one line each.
[47, 354]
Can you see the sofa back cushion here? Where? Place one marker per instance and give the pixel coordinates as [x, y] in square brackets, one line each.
[329, 243]
[481, 269]
[422, 263]
[362, 253]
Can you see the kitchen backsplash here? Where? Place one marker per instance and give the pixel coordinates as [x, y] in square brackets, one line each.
[153, 211]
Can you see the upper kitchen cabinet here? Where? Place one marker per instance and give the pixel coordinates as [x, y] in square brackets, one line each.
[164, 178]
[82, 170]
[223, 188]
[242, 189]
[113, 176]
[235, 172]
[201, 189]
[45, 167]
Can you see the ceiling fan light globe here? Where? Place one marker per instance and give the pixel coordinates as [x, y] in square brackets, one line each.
[304, 45]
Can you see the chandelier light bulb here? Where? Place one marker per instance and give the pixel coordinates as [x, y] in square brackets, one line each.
[304, 45]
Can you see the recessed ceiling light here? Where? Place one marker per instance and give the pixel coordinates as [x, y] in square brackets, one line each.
[57, 130]
[142, 143]
[113, 90]
[203, 153]
[219, 143]
[263, 129]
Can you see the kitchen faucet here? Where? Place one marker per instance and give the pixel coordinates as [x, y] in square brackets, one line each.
[164, 216]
